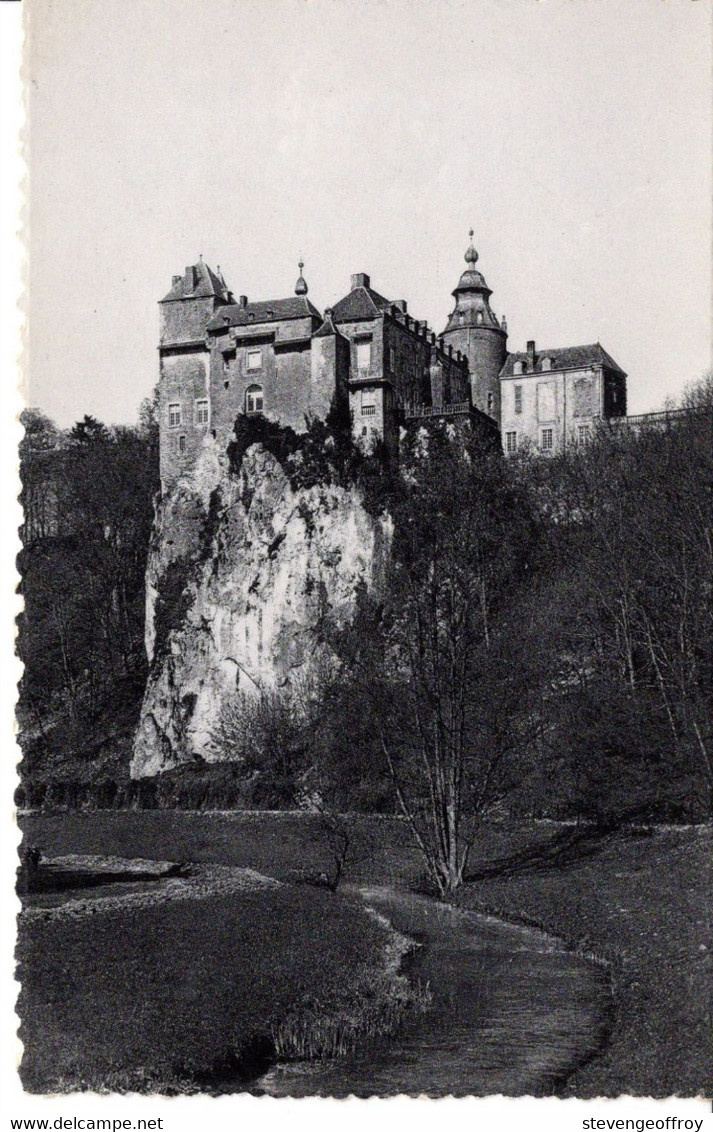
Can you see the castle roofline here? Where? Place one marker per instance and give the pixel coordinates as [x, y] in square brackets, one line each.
[562, 357]
[361, 304]
[198, 281]
[328, 329]
[269, 310]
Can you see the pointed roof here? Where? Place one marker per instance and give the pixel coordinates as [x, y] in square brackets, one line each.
[563, 357]
[327, 329]
[359, 305]
[198, 281]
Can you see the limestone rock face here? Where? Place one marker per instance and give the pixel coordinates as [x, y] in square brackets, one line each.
[241, 571]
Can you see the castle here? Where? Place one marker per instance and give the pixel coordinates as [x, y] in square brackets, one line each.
[367, 363]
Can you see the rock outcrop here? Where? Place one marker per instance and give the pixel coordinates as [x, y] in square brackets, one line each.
[242, 569]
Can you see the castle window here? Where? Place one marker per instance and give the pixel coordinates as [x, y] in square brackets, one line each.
[583, 433]
[392, 359]
[518, 398]
[511, 442]
[254, 359]
[363, 355]
[201, 412]
[490, 400]
[174, 415]
[181, 445]
[368, 402]
[546, 440]
[253, 399]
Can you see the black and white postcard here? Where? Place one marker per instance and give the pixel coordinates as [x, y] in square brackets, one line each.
[365, 560]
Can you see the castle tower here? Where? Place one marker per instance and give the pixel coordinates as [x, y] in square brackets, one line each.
[184, 390]
[475, 331]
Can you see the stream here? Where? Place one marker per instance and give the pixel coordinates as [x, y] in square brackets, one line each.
[512, 1013]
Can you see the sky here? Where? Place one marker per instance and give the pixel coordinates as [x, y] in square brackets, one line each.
[574, 136]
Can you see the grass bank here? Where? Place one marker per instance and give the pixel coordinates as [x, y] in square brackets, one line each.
[642, 900]
[169, 995]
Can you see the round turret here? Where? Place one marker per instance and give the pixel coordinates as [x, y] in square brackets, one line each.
[474, 329]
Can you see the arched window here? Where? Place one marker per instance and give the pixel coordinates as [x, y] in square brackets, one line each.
[479, 318]
[253, 399]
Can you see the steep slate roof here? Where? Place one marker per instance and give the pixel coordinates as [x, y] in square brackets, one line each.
[206, 286]
[271, 310]
[359, 305]
[566, 357]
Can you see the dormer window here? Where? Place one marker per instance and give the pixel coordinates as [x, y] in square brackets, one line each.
[518, 368]
[479, 318]
[546, 364]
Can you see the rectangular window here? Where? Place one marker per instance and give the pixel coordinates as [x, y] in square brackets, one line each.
[181, 444]
[174, 415]
[511, 442]
[254, 359]
[368, 402]
[518, 398]
[363, 355]
[392, 359]
[583, 433]
[201, 412]
[490, 401]
[546, 443]
[546, 401]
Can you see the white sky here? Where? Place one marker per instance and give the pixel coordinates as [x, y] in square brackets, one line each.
[574, 135]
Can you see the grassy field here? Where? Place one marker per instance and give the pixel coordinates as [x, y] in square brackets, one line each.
[164, 997]
[641, 900]
[644, 901]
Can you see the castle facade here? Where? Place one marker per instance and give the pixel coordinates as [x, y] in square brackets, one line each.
[367, 364]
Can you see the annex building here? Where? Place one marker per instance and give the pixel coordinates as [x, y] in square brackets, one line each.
[368, 363]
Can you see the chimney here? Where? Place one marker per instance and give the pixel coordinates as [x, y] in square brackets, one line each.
[189, 279]
[531, 353]
[401, 305]
[176, 280]
[360, 280]
[243, 302]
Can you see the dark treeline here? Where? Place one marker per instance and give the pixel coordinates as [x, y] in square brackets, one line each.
[87, 496]
[543, 647]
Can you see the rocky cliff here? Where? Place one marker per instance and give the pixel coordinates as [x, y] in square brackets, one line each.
[242, 568]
